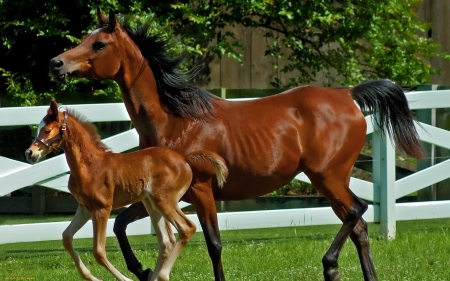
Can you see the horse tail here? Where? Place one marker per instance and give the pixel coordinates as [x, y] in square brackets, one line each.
[212, 159]
[395, 117]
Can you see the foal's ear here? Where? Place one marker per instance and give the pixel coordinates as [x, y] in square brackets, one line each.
[112, 21]
[53, 110]
[102, 20]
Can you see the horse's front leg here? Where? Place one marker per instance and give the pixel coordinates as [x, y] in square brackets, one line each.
[99, 222]
[133, 213]
[205, 206]
[81, 217]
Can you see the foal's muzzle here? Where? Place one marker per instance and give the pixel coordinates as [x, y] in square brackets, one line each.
[32, 157]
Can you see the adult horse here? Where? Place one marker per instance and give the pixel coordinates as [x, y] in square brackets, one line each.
[265, 142]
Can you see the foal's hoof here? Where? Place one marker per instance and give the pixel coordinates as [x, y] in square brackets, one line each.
[143, 276]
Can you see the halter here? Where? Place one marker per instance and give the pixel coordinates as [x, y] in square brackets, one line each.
[140, 71]
[49, 142]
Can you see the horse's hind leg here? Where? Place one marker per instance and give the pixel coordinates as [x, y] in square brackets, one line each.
[360, 238]
[133, 213]
[99, 221]
[349, 208]
[81, 217]
[164, 233]
[185, 227]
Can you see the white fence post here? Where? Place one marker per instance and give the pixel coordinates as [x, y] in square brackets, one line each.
[384, 177]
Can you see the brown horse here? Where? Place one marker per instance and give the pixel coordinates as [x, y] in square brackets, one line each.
[101, 181]
[265, 142]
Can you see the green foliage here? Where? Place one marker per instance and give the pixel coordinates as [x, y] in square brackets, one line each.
[357, 39]
[295, 188]
[33, 32]
[352, 40]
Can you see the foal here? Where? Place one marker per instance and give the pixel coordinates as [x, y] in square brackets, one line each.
[101, 181]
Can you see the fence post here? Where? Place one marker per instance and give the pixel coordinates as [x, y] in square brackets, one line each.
[384, 176]
[38, 194]
[223, 93]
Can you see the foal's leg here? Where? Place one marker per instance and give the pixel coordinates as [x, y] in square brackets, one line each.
[99, 221]
[205, 206]
[81, 217]
[349, 208]
[185, 227]
[133, 213]
[164, 233]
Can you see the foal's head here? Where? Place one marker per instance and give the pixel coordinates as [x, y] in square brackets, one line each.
[57, 129]
[99, 55]
[50, 134]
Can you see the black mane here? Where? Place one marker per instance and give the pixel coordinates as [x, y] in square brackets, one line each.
[177, 95]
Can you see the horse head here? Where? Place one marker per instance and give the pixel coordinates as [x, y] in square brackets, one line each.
[100, 54]
[50, 134]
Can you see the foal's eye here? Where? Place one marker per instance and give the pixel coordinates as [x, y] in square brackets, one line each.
[98, 46]
[48, 131]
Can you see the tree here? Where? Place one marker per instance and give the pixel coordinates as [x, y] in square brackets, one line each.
[353, 39]
[33, 32]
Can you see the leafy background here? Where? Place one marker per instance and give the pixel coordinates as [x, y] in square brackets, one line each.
[355, 39]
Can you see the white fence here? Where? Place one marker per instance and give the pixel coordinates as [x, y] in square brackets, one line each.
[383, 191]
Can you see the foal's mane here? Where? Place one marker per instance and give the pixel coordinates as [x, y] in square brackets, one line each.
[89, 128]
[178, 96]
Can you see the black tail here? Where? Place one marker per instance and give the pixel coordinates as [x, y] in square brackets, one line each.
[390, 102]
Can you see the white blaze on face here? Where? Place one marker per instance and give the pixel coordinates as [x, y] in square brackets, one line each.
[95, 31]
[41, 125]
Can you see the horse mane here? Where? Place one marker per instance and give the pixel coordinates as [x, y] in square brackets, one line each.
[90, 129]
[178, 96]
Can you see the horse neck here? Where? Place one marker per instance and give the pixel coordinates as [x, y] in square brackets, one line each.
[79, 149]
[140, 95]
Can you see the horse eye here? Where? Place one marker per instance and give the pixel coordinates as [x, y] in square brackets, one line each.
[98, 46]
[48, 131]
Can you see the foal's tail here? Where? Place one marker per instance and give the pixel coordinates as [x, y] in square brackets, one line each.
[395, 117]
[211, 159]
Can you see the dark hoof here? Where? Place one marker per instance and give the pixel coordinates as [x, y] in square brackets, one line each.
[143, 275]
[332, 276]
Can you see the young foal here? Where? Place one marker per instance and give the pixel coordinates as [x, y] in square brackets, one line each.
[101, 181]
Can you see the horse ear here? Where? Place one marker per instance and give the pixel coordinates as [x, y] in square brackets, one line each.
[53, 110]
[101, 17]
[112, 22]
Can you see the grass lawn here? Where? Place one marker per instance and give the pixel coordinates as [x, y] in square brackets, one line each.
[420, 252]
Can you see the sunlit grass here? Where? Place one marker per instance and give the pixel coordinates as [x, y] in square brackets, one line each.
[421, 251]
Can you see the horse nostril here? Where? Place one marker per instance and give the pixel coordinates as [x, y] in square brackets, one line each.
[28, 152]
[56, 64]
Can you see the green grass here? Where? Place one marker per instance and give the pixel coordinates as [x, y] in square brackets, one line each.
[420, 252]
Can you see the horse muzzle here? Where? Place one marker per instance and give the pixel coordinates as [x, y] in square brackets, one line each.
[32, 156]
[56, 69]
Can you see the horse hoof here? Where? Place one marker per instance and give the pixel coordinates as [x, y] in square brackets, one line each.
[333, 276]
[145, 274]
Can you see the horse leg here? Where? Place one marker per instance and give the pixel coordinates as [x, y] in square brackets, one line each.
[81, 217]
[133, 213]
[349, 208]
[360, 238]
[164, 233]
[205, 206]
[99, 221]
